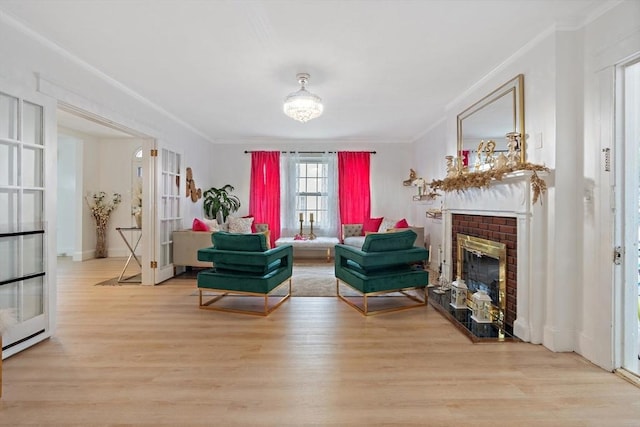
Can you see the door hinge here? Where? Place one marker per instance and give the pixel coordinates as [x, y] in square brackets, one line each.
[618, 253]
[154, 152]
[154, 264]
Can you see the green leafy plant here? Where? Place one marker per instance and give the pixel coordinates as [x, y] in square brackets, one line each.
[218, 202]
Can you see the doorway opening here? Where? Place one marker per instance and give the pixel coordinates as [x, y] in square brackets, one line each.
[95, 154]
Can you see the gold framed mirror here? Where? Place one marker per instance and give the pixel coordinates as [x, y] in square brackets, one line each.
[491, 119]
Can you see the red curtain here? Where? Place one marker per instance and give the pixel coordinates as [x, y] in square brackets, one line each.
[353, 186]
[264, 196]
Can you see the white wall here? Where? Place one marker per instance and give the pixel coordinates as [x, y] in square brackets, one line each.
[566, 122]
[389, 167]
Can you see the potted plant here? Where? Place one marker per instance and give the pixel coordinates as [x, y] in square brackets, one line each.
[218, 203]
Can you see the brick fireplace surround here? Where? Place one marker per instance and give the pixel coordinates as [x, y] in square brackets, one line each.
[504, 213]
[497, 229]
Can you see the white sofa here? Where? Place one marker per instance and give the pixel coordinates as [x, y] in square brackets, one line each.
[352, 235]
[187, 242]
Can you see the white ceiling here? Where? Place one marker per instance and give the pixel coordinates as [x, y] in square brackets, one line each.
[385, 69]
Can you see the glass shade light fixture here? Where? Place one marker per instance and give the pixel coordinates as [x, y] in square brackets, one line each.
[303, 105]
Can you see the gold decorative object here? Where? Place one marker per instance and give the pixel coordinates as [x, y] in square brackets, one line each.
[301, 234]
[500, 162]
[478, 164]
[311, 235]
[489, 149]
[192, 191]
[412, 176]
[513, 155]
[451, 170]
[483, 179]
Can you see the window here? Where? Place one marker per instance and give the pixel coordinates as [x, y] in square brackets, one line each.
[312, 190]
[308, 184]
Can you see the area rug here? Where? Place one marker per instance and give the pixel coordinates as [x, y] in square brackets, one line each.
[309, 279]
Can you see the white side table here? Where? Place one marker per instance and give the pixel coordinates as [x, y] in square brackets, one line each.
[319, 243]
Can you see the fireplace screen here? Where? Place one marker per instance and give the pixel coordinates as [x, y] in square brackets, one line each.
[482, 265]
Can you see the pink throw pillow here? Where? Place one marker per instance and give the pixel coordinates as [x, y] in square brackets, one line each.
[199, 225]
[371, 224]
[402, 224]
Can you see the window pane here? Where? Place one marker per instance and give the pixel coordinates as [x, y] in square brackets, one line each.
[8, 259]
[32, 123]
[9, 296]
[33, 254]
[32, 298]
[8, 117]
[32, 208]
[8, 163]
[32, 168]
[8, 210]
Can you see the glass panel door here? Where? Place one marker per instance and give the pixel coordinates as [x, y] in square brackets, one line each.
[169, 209]
[23, 235]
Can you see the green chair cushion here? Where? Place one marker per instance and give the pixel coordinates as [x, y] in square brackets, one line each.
[385, 242]
[255, 242]
[247, 269]
[223, 280]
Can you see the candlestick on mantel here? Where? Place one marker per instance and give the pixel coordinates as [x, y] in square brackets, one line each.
[301, 216]
[311, 216]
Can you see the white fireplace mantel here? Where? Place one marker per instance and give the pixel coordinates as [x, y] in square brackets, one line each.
[509, 197]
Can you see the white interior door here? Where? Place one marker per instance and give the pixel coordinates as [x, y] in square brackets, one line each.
[27, 216]
[628, 211]
[168, 171]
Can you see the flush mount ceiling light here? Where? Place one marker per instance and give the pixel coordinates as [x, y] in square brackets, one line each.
[303, 105]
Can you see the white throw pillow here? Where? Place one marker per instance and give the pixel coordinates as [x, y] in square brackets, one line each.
[212, 224]
[386, 224]
[240, 225]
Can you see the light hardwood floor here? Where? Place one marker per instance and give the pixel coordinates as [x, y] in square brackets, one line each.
[142, 355]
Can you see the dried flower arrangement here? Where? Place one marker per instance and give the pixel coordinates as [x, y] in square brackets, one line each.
[136, 199]
[483, 179]
[101, 207]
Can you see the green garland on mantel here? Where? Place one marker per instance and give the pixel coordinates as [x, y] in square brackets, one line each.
[483, 179]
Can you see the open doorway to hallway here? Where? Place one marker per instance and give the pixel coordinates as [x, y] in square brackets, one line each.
[93, 156]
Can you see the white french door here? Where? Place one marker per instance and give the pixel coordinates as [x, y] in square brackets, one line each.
[628, 210]
[27, 216]
[168, 176]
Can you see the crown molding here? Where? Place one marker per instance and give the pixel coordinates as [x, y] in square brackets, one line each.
[56, 48]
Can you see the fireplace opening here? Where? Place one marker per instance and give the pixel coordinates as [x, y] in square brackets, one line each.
[482, 264]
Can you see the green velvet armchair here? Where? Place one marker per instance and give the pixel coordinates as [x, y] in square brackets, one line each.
[244, 266]
[387, 263]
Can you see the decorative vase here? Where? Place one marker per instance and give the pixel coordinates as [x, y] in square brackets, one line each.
[138, 217]
[101, 242]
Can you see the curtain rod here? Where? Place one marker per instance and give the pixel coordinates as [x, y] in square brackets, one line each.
[304, 152]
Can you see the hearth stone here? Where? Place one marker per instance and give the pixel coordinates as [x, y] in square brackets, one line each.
[462, 319]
